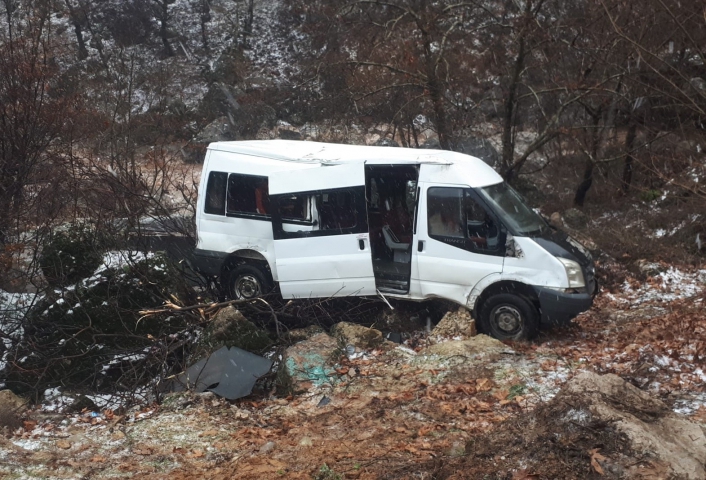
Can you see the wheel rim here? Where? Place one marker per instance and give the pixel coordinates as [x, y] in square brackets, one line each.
[246, 286]
[508, 319]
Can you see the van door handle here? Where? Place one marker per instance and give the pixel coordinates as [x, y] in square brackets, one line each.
[361, 244]
[420, 246]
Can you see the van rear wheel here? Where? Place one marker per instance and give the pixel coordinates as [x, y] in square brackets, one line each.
[246, 282]
[509, 317]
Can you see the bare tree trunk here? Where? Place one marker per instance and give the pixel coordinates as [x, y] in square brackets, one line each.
[247, 28]
[78, 29]
[163, 16]
[509, 119]
[10, 7]
[626, 179]
[587, 181]
[205, 18]
[414, 134]
[434, 85]
[585, 184]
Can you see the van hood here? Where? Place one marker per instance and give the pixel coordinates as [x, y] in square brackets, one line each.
[562, 245]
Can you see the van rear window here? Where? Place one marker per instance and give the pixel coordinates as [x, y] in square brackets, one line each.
[216, 193]
[248, 195]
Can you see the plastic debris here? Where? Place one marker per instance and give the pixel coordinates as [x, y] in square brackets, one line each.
[229, 373]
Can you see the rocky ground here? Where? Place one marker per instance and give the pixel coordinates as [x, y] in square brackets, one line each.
[618, 395]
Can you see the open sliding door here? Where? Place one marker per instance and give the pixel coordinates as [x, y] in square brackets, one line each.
[320, 228]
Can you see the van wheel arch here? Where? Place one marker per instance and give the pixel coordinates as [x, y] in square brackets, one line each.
[508, 287]
[246, 257]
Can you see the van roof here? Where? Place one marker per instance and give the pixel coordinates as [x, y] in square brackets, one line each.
[275, 154]
[331, 153]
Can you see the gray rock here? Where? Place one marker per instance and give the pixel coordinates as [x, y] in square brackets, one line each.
[386, 142]
[11, 407]
[299, 334]
[455, 324]
[81, 403]
[308, 364]
[360, 336]
[220, 130]
[229, 328]
[432, 144]
[575, 218]
[650, 427]
[267, 448]
[250, 118]
[699, 84]
[220, 100]
[650, 269]
[529, 190]
[478, 147]
[556, 221]
[288, 134]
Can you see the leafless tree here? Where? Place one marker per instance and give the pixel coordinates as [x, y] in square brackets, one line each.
[163, 15]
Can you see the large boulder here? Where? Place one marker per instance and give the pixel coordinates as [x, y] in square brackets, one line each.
[650, 269]
[478, 147]
[457, 325]
[359, 336]
[597, 426]
[309, 364]
[11, 407]
[230, 328]
[288, 133]
[386, 142]
[297, 335]
[575, 218]
[219, 130]
[652, 430]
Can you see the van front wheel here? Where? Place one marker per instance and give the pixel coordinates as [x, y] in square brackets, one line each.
[246, 282]
[509, 317]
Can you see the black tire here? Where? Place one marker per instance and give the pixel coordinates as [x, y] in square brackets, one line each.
[509, 317]
[247, 281]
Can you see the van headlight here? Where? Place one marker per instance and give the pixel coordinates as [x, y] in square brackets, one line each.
[573, 273]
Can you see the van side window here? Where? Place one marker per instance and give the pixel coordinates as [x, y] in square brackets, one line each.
[457, 218]
[216, 193]
[445, 209]
[295, 208]
[248, 195]
[336, 209]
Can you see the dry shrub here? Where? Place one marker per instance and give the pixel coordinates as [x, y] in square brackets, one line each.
[9, 418]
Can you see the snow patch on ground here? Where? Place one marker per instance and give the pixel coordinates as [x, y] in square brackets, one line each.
[670, 285]
[13, 308]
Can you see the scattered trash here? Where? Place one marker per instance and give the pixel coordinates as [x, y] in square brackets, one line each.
[324, 401]
[229, 373]
[395, 337]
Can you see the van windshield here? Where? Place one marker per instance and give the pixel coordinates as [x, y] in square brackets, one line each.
[520, 219]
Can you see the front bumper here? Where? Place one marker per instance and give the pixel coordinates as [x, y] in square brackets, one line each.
[559, 308]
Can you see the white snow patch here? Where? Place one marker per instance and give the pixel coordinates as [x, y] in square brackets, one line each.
[672, 284]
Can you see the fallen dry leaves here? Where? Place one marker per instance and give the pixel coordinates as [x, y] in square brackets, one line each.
[595, 459]
[396, 418]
